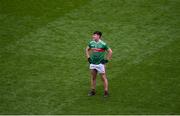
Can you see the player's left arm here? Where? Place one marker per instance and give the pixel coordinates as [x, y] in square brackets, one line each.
[109, 54]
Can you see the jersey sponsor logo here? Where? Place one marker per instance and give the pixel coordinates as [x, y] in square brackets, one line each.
[98, 50]
[92, 46]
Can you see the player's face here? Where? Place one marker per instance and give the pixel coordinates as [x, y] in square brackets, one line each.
[95, 37]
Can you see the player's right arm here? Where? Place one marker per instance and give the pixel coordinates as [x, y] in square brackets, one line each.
[88, 52]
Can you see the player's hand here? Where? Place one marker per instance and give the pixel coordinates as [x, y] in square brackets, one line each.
[104, 61]
[89, 60]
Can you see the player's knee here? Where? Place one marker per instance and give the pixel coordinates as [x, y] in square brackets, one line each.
[94, 77]
[103, 77]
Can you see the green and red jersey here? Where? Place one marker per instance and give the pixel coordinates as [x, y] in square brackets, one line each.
[98, 51]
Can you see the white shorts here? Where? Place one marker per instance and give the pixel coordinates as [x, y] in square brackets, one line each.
[99, 67]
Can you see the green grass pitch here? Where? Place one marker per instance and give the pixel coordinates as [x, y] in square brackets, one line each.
[43, 69]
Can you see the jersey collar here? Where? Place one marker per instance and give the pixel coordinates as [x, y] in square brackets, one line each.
[98, 41]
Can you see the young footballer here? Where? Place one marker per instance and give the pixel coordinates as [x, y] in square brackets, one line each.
[98, 54]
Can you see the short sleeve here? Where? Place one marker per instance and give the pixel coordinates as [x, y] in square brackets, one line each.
[106, 47]
[89, 44]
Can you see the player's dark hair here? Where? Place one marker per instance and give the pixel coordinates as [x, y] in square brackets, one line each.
[98, 33]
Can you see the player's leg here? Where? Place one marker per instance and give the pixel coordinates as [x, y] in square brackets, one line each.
[93, 78]
[93, 82]
[105, 82]
[101, 70]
